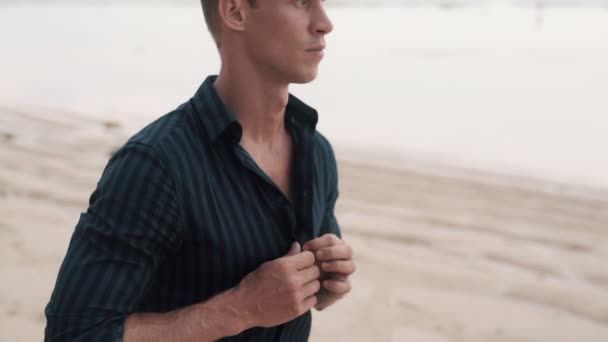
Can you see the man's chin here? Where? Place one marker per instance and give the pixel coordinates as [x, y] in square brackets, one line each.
[305, 78]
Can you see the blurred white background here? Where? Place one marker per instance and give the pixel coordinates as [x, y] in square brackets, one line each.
[517, 87]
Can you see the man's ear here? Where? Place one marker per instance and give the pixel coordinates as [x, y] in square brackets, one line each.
[232, 13]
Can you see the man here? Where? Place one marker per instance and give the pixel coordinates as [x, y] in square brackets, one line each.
[217, 220]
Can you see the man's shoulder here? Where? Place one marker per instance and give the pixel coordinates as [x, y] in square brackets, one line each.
[162, 138]
[164, 128]
[325, 159]
[323, 147]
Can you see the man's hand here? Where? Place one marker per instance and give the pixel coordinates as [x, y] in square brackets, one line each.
[335, 259]
[279, 290]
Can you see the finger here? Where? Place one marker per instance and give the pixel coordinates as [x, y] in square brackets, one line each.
[295, 249]
[311, 288]
[309, 303]
[301, 260]
[323, 241]
[338, 277]
[309, 274]
[346, 267]
[340, 252]
[337, 287]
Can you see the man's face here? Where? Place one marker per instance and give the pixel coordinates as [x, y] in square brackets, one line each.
[285, 38]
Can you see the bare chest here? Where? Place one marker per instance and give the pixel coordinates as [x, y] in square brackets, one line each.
[277, 165]
[279, 170]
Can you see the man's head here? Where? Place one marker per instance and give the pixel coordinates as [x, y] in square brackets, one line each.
[210, 11]
[281, 38]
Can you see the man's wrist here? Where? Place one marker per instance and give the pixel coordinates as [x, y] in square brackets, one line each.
[226, 307]
[218, 317]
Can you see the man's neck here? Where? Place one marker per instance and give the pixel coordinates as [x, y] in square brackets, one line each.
[258, 104]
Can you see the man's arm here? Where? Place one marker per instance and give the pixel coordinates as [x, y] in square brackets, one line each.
[341, 283]
[132, 223]
[338, 263]
[276, 292]
[216, 318]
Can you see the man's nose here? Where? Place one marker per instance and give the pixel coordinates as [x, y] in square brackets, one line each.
[322, 25]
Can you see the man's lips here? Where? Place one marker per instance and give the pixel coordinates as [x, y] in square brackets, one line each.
[317, 48]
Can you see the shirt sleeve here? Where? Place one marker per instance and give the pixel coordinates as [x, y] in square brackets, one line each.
[330, 223]
[131, 224]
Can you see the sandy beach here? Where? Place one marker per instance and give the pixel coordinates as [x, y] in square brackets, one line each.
[444, 254]
[465, 228]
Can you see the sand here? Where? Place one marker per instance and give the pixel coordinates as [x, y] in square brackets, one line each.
[444, 254]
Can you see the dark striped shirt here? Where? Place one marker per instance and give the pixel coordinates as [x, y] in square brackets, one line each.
[181, 213]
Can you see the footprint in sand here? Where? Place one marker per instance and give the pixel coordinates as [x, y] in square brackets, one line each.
[598, 279]
[12, 308]
[7, 137]
[111, 125]
[39, 194]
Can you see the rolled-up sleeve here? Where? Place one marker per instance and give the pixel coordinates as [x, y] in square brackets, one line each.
[131, 224]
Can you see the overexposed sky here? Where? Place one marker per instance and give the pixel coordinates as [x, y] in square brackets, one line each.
[502, 88]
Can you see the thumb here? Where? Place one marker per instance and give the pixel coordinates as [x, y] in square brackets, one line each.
[295, 249]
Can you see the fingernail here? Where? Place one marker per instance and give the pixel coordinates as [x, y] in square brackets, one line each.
[320, 254]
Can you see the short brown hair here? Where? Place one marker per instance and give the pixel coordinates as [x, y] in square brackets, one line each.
[211, 12]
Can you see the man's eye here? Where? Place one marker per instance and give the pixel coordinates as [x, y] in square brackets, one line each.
[302, 2]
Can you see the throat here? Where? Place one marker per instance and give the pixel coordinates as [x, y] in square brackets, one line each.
[276, 162]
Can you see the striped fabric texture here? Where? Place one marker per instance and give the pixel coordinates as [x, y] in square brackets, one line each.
[181, 213]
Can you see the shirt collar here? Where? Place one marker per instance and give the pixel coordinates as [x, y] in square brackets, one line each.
[216, 120]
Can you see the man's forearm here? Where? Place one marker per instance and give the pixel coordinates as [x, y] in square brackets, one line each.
[209, 321]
